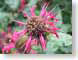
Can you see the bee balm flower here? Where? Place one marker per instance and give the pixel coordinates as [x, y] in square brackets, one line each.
[36, 27]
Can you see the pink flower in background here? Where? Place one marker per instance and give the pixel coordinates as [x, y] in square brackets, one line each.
[22, 6]
[8, 48]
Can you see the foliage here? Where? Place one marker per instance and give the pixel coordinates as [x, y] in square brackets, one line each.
[62, 44]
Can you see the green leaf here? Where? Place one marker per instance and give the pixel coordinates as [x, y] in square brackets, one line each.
[3, 15]
[66, 28]
[63, 42]
[4, 19]
[27, 10]
[36, 48]
[66, 49]
[13, 4]
[37, 12]
[32, 2]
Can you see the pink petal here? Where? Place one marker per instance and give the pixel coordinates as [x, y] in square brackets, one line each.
[62, 22]
[50, 15]
[25, 14]
[43, 42]
[17, 35]
[34, 42]
[9, 29]
[22, 5]
[54, 29]
[33, 10]
[8, 47]
[3, 33]
[11, 45]
[43, 11]
[28, 44]
[33, 52]
[56, 34]
[51, 23]
[56, 20]
[20, 23]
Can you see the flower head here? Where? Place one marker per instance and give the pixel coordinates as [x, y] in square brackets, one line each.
[36, 27]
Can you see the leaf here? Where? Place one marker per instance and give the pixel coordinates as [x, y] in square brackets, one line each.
[4, 19]
[3, 15]
[38, 49]
[65, 28]
[32, 3]
[2, 5]
[66, 49]
[37, 12]
[13, 4]
[63, 42]
[27, 10]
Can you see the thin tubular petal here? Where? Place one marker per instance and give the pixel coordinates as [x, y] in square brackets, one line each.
[43, 42]
[33, 10]
[25, 14]
[22, 5]
[43, 11]
[51, 23]
[28, 44]
[17, 35]
[56, 34]
[34, 42]
[19, 22]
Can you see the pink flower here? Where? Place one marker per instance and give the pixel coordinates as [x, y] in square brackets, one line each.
[3, 33]
[8, 48]
[36, 27]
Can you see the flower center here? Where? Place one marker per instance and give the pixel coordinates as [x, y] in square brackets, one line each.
[36, 24]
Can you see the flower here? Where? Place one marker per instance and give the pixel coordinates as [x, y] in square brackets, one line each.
[36, 27]
[8, 48]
